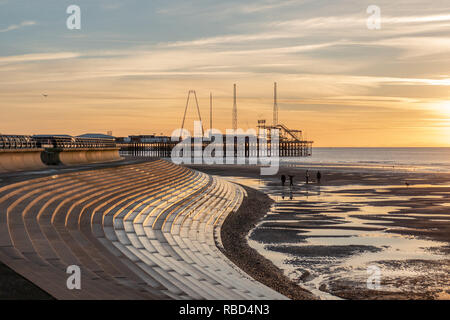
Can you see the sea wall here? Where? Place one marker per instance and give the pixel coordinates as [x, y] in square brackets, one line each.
[33, 159]
[80, 156]
[20, 160]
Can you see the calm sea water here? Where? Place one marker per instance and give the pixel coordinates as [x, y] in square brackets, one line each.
[426, 159]
[410, 159]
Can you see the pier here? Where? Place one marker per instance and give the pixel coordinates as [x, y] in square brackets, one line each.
[290, 144]
[248, 149]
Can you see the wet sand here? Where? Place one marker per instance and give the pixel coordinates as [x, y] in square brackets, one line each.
[233, 234]
[327, 235]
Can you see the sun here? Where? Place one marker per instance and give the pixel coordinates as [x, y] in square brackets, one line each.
[444, 108]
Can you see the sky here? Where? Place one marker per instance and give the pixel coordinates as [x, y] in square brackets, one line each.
[129, 68]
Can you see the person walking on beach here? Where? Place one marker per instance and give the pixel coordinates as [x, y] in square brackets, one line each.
[319, 176]
[291, 181]
[283, 179]
[307, 176]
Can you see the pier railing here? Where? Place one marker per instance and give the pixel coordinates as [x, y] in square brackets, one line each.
[68, 142]
[10, 142]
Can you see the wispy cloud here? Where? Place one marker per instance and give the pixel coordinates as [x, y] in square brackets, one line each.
[416, 46]
[227, 39]
[411, 19]
[372, 81]
[267, 5]
[358, 22]
[18, 26]
[406, 33]
[39, 57]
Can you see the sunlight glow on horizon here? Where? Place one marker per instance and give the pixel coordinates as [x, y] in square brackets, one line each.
[444, 108]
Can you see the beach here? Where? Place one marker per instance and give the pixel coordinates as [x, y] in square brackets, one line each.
[326, 238]
[321, 240]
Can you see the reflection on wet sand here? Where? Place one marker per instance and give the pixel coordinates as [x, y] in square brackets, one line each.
[326, 237]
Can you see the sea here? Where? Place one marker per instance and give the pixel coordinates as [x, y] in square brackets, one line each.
[411, 159]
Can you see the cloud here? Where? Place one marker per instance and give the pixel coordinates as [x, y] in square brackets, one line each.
[418, 19]
[18, 26]
[39, 57]
[270, 5]
[415, 35]
[373, 81]
[390, 25]
[416, 46]
[226, 39]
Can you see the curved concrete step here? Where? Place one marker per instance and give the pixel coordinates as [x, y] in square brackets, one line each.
[140, 231]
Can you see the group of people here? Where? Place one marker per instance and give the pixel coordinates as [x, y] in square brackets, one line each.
[291, 178]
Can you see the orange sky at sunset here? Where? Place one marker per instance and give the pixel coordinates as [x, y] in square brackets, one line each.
[341, 83]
